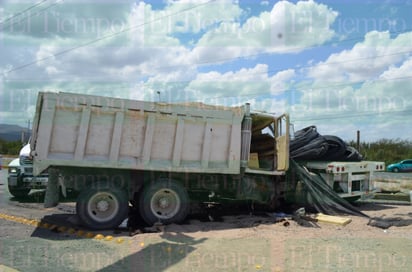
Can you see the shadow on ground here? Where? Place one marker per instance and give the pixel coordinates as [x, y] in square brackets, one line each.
[158, 255]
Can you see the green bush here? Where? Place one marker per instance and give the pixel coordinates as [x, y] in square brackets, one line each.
[10, 148]
[387, 150]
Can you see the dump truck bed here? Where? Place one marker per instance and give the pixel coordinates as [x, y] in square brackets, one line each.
[95, 131]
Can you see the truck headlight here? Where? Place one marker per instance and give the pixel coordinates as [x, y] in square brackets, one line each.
[13, 171]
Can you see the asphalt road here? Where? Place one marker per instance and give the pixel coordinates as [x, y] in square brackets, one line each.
[33, 238]
[393, 176]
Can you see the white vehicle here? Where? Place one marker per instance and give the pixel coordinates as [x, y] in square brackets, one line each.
[351, 180]
[20, 175]
[166, 158]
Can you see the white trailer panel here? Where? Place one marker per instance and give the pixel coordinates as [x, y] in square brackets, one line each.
[349, 179]
[346, 167]
[95, 131]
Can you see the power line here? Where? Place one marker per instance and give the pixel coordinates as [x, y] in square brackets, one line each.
[37, 12]
[362, 114]
[290, 50]
[105, 37]
[330, 63]
[23, 11]
[254, 94]
[248, 95]
[199, 63]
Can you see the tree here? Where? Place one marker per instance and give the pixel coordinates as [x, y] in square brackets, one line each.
[10, 148]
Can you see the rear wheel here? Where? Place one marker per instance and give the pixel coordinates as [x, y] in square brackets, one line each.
[102, 208]
[164, 201]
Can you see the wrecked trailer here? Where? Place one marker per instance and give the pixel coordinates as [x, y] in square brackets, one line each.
[341, 166]
[308, 188]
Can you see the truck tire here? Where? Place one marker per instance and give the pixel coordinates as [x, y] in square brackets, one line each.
[164, 201]
[19, 192]
[102, 207]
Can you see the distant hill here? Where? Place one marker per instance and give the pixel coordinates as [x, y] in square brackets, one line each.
[12, 133]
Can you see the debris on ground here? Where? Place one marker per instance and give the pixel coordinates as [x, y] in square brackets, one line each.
[385, 223]
[343, 221]
[303, 219]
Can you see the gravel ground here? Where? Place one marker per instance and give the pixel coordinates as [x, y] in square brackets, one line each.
[242, 242]
[239, 243]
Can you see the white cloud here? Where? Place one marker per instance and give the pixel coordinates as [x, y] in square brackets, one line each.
[164, 46]
[366, 60]
[236, 87]
[186, 16]
[287, 26]
[376, 103]
[151, 46]
[400, 72]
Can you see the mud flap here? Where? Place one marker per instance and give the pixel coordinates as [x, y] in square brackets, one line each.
[51, 199]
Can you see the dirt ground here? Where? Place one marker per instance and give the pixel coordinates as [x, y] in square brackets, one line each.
[246, 243]
[243, 242]
[239, 243]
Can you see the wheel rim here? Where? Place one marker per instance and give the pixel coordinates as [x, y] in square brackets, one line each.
[103, 207]
[165, 204]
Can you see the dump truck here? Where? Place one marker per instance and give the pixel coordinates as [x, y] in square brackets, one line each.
[163, 158]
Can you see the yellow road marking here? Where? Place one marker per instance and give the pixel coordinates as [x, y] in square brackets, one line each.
[61, 229]
[4, 268]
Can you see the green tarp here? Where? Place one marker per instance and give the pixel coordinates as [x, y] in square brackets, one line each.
[320, 195]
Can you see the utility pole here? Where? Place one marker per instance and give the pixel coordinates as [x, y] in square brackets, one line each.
[358, 140]
[28, 130]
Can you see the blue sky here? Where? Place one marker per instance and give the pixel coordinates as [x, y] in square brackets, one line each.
[340, 65]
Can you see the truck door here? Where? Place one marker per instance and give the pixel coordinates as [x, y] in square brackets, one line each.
[282, 142]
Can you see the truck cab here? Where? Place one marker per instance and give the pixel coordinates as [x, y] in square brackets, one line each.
[20, 175]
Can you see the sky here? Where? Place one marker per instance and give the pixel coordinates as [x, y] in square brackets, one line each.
[342, 66]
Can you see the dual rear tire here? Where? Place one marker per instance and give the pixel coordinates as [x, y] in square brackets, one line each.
[102, 207]
[164, 201]
[105, 206]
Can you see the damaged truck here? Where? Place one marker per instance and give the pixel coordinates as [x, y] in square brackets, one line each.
[166, 159]
[163, 159]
